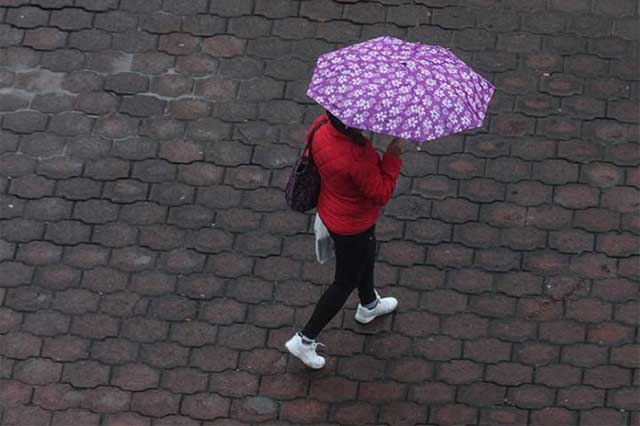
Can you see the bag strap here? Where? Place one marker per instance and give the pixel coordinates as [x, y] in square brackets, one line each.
[311, 135]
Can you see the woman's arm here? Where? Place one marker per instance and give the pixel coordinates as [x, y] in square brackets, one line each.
[377, 181]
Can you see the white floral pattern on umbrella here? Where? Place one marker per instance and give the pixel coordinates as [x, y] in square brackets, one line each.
[410, 90]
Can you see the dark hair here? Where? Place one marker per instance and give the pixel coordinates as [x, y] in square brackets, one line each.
[354, 134]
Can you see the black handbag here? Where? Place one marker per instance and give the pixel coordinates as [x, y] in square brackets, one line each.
[303, 187]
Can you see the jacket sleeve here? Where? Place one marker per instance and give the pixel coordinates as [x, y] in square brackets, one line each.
[378, 181]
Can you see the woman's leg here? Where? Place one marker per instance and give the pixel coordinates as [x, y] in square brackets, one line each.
[366, 291]
[351, 260]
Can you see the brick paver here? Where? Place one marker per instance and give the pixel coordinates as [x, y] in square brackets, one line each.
[150, 271]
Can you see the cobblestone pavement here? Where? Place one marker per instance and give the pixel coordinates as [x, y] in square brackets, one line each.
[150, 271]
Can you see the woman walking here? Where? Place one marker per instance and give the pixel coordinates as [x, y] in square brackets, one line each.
[355, 184]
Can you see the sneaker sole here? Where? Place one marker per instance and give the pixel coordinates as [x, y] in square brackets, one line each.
[365, 321]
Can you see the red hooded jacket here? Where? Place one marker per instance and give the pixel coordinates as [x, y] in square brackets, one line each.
[355, 181]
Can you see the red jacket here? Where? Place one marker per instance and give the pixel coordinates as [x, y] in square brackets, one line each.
[355, 181]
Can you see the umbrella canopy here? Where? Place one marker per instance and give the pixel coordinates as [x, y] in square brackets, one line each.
[409, 90]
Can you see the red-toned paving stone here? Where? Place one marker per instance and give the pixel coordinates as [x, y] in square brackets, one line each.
[150, 271]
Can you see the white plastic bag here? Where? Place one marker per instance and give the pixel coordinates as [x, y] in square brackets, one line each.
[324, 242]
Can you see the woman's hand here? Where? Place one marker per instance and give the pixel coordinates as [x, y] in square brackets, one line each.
[395, 147]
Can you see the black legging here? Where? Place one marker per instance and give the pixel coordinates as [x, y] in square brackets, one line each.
[355, 259]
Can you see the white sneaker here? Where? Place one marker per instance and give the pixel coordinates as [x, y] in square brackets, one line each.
[305, 352]
[385, 306]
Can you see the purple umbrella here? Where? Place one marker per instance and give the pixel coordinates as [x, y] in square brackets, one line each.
[409, 90]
